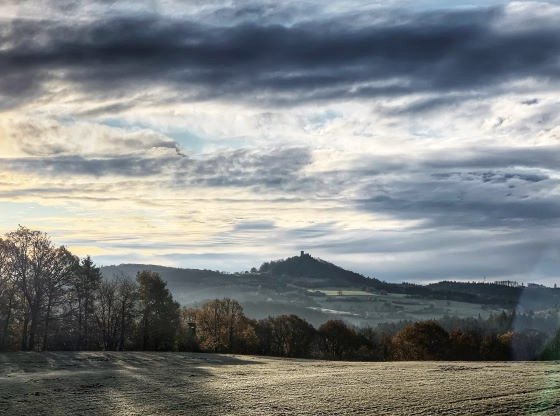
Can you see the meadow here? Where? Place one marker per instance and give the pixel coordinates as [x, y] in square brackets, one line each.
[143, 383]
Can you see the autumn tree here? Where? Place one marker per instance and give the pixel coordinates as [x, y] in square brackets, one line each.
[464, 345]
[186, 332]
[425, 340]
[222, 327]
[495, 347]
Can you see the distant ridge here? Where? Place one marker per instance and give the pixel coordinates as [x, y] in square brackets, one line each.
[304, 285]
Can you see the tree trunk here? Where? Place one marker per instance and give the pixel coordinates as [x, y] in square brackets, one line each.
[87, 307]
[144, 332]
[79, 323]
[123, 324]
[33, 328]
[47, 322]
[24, 339]
[7, 323]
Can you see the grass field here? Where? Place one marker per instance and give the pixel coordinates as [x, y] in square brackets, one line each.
[202, 384]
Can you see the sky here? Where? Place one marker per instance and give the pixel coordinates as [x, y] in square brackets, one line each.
[407, 140]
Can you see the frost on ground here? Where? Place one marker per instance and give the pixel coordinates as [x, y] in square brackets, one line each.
[203, 384]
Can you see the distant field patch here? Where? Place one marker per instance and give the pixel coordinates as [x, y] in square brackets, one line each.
[332, 311]
[334, 292]
[362, 308]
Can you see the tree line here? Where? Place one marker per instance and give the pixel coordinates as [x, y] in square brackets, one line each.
[53, 300]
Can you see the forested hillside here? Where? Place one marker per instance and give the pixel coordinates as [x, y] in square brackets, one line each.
[318, 290]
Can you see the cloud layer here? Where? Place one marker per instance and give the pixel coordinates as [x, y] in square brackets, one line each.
[271, 63]
[405, 140]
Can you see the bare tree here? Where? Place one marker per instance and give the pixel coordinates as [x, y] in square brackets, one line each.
[8, 295]
[39, 271]
[114, 312]
[337, 339]
[127, 295]
[106, 315]
[288, 335]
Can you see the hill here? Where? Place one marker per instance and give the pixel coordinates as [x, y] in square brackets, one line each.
[318, 290]
[311, 272]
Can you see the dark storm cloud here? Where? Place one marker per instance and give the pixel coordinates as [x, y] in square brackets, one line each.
[329, 59]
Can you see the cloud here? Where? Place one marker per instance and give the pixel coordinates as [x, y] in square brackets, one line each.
[33, 136]
[544, 157]
[254, 225]
[471, 189]
[76, 165]
[274, 169]
[479, 189]
[454, 51]
[531, 101]
[278, 168]
[442, 253]
[396, 217]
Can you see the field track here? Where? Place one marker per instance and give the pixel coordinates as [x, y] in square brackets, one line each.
[202, 384]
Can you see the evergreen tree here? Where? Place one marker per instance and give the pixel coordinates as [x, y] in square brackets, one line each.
[159, 314]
